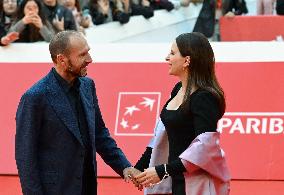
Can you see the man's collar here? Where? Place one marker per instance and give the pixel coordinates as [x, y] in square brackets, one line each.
[64, 84]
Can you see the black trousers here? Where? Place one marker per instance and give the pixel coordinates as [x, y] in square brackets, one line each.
[89, 183]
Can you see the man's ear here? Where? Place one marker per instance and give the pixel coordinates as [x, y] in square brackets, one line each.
[60, 59]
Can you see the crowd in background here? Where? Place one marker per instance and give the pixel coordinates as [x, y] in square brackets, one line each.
[39, 20]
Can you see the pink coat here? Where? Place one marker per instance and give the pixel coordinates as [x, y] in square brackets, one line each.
[207, 171]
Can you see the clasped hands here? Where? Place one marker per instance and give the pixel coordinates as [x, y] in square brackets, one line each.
[148, 178]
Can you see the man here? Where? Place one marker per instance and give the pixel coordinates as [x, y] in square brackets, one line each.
[58, 15]
[59, 127]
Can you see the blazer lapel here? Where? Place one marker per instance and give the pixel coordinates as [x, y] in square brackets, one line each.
[87, 101]
[62, 107]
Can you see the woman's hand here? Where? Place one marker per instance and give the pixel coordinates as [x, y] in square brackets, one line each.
[37, 21]
[59, 24]
[104, 6]
[28, 19]
[148, 178]
[9, 38]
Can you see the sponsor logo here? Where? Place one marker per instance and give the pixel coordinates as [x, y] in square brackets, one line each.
[252, 123]
[137, 113]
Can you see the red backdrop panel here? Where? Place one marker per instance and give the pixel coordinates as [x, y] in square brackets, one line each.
[251, 28]
[252, 129]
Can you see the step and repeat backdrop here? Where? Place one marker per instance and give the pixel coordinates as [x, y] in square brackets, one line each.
[252, 28]
[127, 76]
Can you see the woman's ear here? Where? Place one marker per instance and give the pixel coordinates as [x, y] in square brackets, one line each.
[187, 60]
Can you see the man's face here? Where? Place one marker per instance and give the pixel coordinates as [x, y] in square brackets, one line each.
[78, 59]
[50, 2]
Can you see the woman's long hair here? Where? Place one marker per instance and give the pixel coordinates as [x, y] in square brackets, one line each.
[20, 11]
[201, 70]
[2, 15]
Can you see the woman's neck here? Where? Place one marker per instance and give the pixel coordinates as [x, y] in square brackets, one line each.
[184, 83]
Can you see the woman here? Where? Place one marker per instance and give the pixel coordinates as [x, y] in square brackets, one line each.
[81, 21]
[190, 118]
[7, 11]
[31, 23]
[105, 11]
[265, 7]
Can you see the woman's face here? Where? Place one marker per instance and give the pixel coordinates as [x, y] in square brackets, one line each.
[69, 3]
[31, 8]
[177, 63]
[104, 2]
[49, 2]
[9, 6]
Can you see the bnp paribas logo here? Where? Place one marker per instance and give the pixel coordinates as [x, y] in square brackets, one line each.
[137, 113]
[252, 123]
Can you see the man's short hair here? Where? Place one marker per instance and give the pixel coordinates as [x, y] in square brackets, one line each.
[60, 43]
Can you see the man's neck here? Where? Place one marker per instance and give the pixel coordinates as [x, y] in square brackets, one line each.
[65, 76]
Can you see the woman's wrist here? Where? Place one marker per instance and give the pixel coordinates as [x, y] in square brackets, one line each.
[162, 171]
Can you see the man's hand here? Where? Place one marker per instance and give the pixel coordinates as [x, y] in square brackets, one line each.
[130, 173]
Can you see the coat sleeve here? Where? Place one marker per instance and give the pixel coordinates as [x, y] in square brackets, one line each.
[105, 144]
[28, 122]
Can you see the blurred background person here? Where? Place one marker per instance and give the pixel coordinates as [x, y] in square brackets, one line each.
[280, 7]
[31, 23]
[59, 16]
[162, 4]
[206, 19]
[121, 6]
[141, 7]
[104, 11]
[207, 22]
[265, 7]
[228, 9]
[7, 15]
[82, 21]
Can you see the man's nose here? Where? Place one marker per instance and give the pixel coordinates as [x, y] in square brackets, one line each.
[89, 59]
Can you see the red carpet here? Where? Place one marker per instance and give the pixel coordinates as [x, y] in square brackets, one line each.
[9, 185]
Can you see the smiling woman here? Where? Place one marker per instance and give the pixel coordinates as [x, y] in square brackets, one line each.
[189, 116]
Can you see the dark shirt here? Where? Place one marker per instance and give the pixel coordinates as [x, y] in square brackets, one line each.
[73, 94]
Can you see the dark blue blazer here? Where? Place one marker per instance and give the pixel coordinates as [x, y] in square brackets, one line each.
[49, 148]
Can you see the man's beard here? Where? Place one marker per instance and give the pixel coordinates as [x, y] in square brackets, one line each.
[75, 73]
